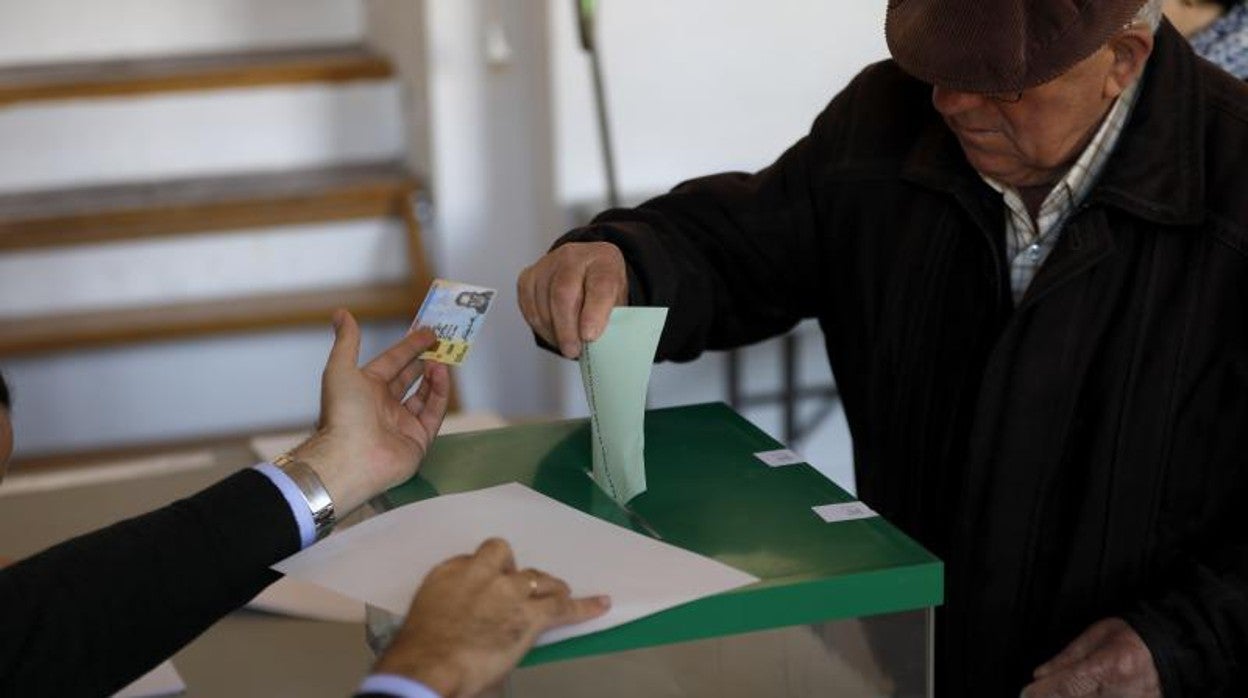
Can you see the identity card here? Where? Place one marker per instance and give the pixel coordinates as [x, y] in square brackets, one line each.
[454, 312]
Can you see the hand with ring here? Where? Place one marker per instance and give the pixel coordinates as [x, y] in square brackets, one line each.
[475, 616]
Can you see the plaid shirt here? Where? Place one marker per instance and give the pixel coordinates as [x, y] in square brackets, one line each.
[1027, 242]
[1225, 42]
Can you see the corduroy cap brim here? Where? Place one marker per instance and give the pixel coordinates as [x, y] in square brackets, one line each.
[999, 45]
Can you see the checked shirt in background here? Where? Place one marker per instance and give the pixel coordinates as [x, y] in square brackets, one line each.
[1225, 42]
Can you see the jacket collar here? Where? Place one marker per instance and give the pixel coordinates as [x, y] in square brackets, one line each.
[1156, 171]
[936, 162]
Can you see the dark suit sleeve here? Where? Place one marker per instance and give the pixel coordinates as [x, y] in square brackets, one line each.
[90, 615]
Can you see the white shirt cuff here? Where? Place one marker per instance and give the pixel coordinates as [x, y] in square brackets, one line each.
[294, 497]
[396, 685]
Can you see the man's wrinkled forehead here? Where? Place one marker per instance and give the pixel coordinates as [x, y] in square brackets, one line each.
[999, 46]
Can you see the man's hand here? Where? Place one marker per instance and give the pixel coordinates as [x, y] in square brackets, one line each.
[475, 616]
[1108, 659]
[368, 438]
[567, 295]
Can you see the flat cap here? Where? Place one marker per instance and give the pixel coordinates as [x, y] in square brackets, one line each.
[999, 45]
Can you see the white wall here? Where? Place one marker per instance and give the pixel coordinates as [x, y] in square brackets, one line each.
[186, 134]
[200, 267]
[493, 182]
[701, 86]
[181, 389]
[173, 390]
[58, 30]
[694, 86]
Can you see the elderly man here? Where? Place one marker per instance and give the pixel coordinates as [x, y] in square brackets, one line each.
[1025, 238]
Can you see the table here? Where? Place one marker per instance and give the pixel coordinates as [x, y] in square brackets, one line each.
[842, 606]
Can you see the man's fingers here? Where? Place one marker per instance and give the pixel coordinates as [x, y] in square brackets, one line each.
[567, 293]
[541, 301]
[345, 353]
[495, 554]
[526, 298]
[603, 289]
[450, 565]
[389, 363]
[425, 423]
[1114, 661]
[431, 400]
[1079, 648]
[1082, 679]
[403, 382]
[416, 402]
[537, 583]
[559, 610]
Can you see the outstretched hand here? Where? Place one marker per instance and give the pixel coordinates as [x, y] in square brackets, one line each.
[369, 438]
[475, 616]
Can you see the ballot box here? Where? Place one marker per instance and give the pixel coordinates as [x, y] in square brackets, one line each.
[843, 608]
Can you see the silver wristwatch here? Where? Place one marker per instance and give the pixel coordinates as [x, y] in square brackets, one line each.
[313, 490]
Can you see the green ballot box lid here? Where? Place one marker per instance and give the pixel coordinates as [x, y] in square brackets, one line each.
[708, 493]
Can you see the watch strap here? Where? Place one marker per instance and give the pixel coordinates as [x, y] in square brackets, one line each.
[313, 490]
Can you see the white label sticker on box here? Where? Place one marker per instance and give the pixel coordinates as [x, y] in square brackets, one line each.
[845, 511]
[781, 457]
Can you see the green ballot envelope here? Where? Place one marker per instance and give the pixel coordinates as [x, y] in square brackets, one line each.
[708, 493]
[615, 370]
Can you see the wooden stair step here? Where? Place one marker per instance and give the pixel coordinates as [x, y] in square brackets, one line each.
[112, 212]
[256, 313]
[203, 71]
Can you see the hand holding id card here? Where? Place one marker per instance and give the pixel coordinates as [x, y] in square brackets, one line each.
[455, 313]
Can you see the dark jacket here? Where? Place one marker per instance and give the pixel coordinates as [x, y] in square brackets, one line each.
[1080, 456]
[91, 615]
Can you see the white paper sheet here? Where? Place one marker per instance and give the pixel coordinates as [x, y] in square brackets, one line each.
[161, 681]
[292, 597]
[383, 560]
